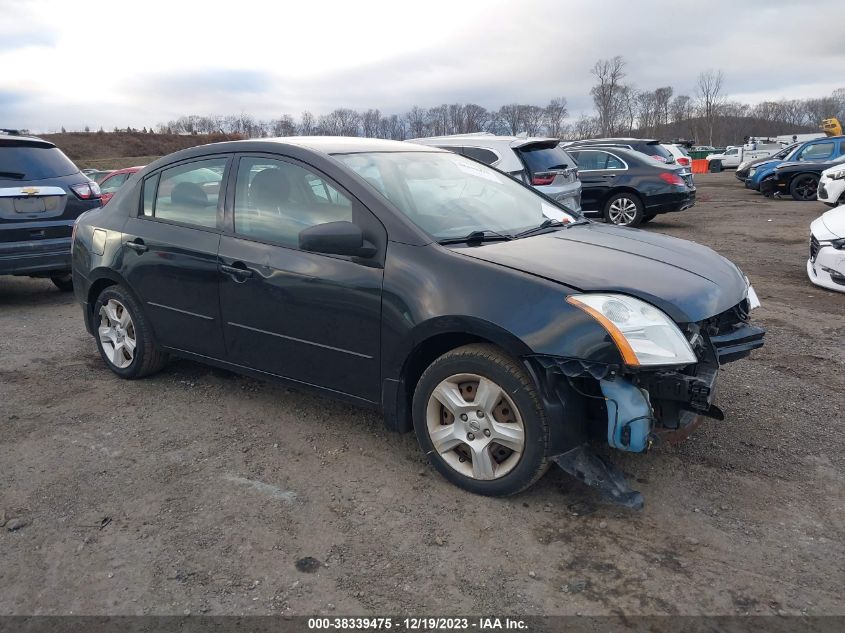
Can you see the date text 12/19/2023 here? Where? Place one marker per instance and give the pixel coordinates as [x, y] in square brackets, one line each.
[476, 623]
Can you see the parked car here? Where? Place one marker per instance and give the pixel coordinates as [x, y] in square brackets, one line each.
[732, 157]
[826, 264]
[819, 150]
[627, 188]
[744, 168]
[540, 162]
[832, 186]
[42, 193]
[114, 180]
[798, 179]
[363, 269]
[703, 148]
[649, 147]
[679, 153]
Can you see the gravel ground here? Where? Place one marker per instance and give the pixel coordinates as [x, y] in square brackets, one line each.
[201, 491]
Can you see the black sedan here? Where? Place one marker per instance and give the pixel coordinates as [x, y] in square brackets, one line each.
[800, 179]
[628, 188]
[501, 328]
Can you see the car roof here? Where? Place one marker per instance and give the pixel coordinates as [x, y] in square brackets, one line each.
[620, 139]
[18, 140]
[344, 144]
[126, 170]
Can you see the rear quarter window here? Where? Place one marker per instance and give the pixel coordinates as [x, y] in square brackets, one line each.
[485, 156]
[28, 162]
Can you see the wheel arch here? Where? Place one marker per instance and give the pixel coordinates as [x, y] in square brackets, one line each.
[432, 340]
[99, 280]
[622, 189]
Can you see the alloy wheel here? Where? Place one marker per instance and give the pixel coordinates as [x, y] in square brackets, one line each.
[622, 211]
[117, 334]
[806, 188]
[475, 427]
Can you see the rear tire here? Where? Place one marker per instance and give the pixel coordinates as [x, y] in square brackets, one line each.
[804, 187]
[124, 337]
[63, 282]
[460, 438]
[624, 209]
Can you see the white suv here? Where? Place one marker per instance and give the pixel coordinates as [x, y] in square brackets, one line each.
[536, 161]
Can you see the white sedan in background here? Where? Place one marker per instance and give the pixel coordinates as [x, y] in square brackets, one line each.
[826, 265]
[832, 186]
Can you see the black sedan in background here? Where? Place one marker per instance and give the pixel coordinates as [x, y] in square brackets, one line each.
[465, 305]
[628, 188]
[800, 179]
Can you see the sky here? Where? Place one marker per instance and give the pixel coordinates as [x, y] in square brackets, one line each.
[74, 63]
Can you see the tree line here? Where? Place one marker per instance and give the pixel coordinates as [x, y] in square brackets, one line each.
[706, 116]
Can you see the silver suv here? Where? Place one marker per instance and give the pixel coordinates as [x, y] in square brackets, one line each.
[536, 161]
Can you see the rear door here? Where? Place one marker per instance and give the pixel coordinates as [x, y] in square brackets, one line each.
[169, 254]
[598, 170]
[309, 317]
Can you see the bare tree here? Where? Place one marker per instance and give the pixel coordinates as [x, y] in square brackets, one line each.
[417, 122]
[606, 93]
[370, 123]
[710, 97]
[554, 116]
[307, 124]
[476, 118]
[531, 118]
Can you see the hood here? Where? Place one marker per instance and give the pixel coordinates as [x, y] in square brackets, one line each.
[834, 221]
[688, 281]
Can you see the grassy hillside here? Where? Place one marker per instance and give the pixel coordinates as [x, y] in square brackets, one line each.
[114, 150]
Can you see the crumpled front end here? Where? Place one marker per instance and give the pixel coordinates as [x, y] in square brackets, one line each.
[632, 408]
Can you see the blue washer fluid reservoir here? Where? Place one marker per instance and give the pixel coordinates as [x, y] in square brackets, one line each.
[629, 415]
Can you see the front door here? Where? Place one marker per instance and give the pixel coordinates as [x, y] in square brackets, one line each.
[312, 318]
[169, 254]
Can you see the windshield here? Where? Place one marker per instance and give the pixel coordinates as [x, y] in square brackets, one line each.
[448, 196]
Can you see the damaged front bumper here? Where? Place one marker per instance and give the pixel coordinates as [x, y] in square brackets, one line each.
[632, 407]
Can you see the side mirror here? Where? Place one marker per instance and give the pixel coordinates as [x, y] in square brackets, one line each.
[336, 238]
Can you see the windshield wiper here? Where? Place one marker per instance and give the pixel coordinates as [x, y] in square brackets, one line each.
[545, 224]
[477, 237]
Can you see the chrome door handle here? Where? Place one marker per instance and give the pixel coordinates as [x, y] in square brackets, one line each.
[137, 246]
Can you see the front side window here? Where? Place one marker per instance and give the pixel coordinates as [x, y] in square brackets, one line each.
[188, 193]
[816, 152]
[275, 200]
[448, 195]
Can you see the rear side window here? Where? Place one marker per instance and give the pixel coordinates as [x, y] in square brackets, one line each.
[29, 162]
[656, 149]
[597, 159]
[543, 158]
[485, 156]
[188, 193]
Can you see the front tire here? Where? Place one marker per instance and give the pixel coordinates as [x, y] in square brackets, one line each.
[478, 418]
[63, 282]
[624, 209]
[124, 338]
[804, 188]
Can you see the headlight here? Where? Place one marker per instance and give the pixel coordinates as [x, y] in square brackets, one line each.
[644, 335]
[837, 175]
[838, 244]
[752, 171]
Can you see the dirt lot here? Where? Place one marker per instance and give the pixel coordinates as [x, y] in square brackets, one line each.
[198, 490]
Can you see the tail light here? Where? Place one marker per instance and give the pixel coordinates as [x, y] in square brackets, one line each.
[673, 179]
[86, 190]
[543, 178]
[684, 161]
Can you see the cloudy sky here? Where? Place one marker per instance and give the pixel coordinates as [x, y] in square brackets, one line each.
[90, 62]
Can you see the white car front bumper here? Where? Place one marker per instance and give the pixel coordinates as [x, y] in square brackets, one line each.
[831, 190]
[826, 265]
